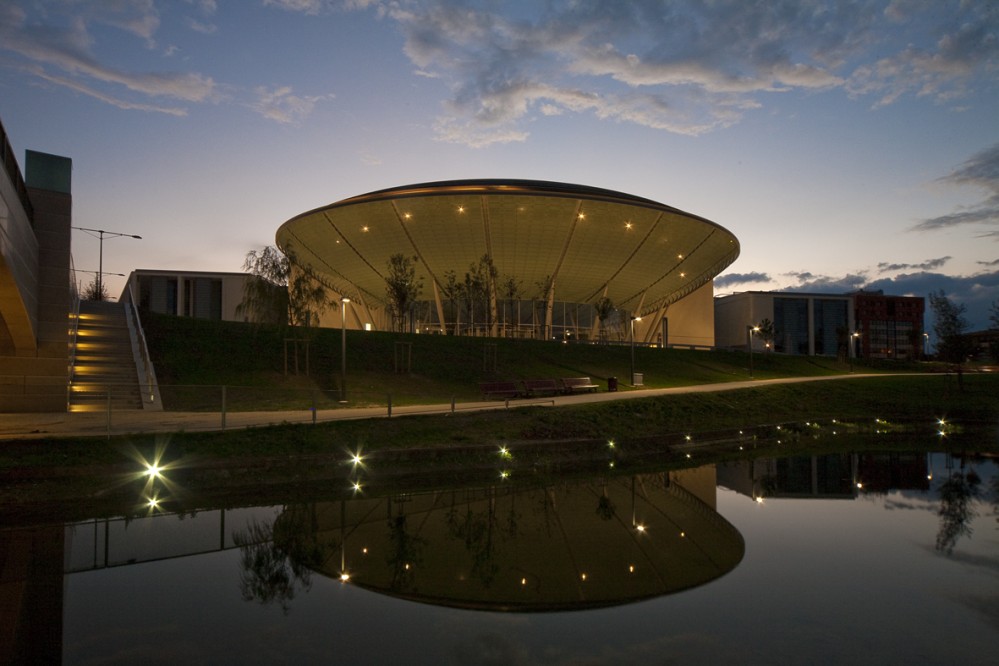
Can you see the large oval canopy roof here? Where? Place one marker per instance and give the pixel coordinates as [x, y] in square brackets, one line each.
[588, 241]
[563, 547]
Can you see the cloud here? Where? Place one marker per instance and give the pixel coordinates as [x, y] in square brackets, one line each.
[885, 267]
[735, 279]
[282, 106]
[311, 7]
[109, 99]
[58, 46]
[824, 284]
[682, 67]
[981, 170]
[62, 54]
[976, 292]
[202, 27]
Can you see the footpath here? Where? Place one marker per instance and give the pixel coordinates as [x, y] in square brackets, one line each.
[122, 422]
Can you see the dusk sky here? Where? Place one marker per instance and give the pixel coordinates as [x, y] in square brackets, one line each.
[846, 144]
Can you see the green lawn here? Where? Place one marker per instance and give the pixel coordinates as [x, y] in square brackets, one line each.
[195, 358]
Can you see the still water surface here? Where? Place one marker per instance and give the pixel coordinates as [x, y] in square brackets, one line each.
[780, 561]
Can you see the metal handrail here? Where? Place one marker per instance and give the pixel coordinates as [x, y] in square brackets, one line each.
[152, 388]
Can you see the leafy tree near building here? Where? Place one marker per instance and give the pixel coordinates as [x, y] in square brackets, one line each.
[766, 334]
[402, 288]
[950, 327]
[95, 291]
[283, 291]
[604, 308]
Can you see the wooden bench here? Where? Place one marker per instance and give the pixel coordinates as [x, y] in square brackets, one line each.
[499, 389]
[574, 384]
[541, 386]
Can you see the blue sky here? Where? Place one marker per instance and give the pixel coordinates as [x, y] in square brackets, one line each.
[846, 144]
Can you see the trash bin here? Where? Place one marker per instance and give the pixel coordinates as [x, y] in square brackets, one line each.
[612, 383]
[638, 379]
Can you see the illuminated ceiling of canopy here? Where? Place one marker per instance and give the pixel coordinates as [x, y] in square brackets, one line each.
[590, 242]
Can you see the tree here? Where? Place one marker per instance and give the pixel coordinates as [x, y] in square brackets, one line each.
[950, 326]
[512, 289]
[956, 511]
[766, 333]
[401, 287]
[282, 291]
[451, 291]
[95, 291]
[604, 308]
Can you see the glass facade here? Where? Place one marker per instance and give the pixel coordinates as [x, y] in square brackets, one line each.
[829, 321]
[791, 325]
[202, 296]
[521, 318]
[831, 326]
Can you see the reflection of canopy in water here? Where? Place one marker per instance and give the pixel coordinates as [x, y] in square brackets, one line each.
[554, 548]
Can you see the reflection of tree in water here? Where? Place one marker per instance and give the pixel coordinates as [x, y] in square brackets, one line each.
[605, 507]
[406, 552]
[957, 494]
[477, 531]
[276, 558]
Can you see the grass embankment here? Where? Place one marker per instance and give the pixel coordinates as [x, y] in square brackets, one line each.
[194, 358]
[60, 479]
[51, 477]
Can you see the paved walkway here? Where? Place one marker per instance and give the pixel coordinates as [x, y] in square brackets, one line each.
[28, 426]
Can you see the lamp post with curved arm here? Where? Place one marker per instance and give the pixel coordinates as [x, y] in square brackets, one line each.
[750, 329]
[343, 348]
[101, 233]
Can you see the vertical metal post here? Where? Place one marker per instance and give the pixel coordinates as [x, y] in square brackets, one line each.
[313, 408]
[223, 406]
[390, 405]
[452, 404]
[343, 349]
[109, 413]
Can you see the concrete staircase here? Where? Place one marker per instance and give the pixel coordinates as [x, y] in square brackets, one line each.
[104, 360]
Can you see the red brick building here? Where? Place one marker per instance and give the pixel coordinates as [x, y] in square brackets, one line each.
[889, 326]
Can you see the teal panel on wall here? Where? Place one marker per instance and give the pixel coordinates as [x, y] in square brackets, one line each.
[48, 172]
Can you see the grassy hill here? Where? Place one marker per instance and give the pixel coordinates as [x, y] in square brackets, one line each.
[257, 364]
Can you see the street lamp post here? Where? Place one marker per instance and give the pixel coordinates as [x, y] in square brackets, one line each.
[343, 348]
[101, 233]
[750, 329]
[633, 320]
[853, 347]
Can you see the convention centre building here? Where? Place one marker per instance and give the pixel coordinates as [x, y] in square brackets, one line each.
[517, 258]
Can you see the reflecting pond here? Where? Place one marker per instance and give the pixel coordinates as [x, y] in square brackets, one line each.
[866, 557]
